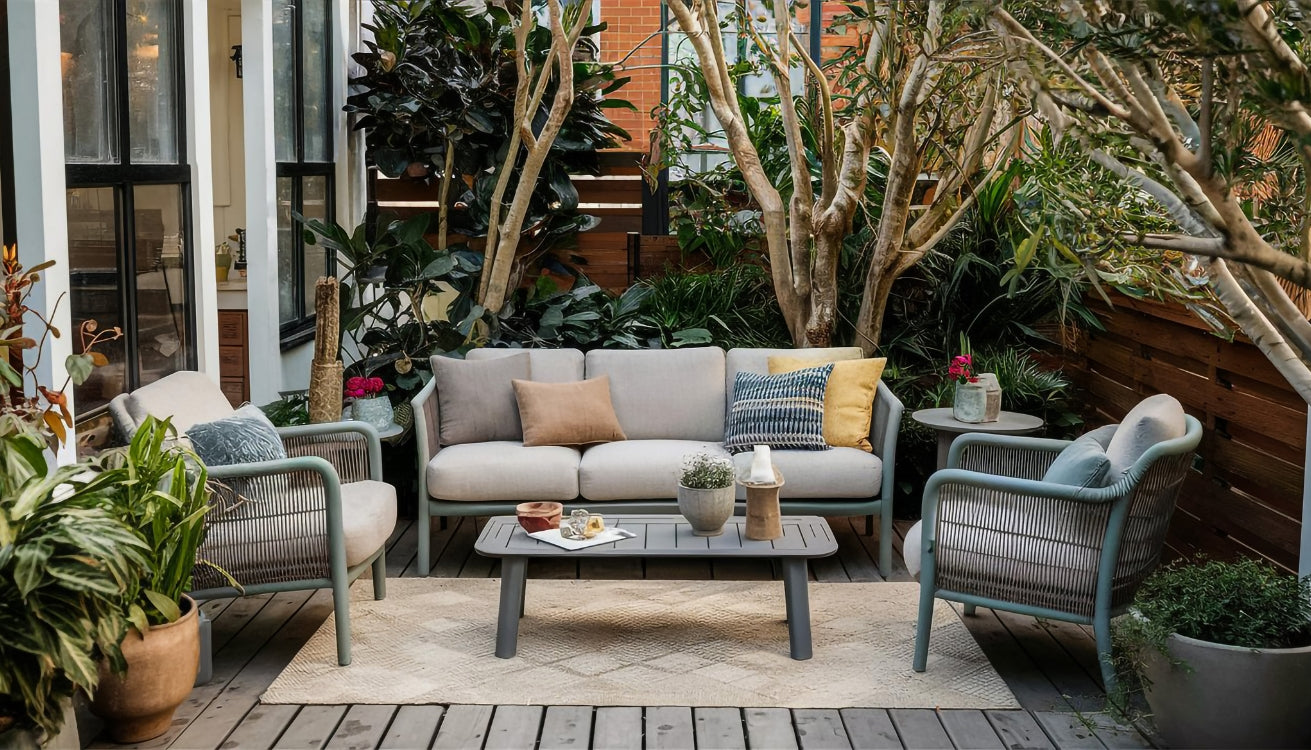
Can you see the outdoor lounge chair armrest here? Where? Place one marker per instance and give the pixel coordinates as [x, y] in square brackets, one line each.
[1004, 455]
[885, 428]
[426, 418]
[295, 439]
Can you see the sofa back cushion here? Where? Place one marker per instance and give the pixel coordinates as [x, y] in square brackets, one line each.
[546, 365]
[188, 397]
[665, 394]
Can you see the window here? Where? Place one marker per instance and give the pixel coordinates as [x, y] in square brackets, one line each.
[302, 135]
[128, 190]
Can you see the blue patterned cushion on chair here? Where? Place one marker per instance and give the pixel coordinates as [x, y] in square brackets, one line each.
[781, 411]
[245, 437]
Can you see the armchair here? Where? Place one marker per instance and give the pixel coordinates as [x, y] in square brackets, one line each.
[994, 534]
[316, 519]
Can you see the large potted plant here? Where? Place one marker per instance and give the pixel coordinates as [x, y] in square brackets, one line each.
[159, 489]
[1223, 653]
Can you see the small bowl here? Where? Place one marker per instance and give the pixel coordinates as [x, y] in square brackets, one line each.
[539, 516]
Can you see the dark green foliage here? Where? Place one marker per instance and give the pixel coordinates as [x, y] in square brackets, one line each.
[734, 307]
[585, 317]
[67, 566]
[1245, 603]
[290, 410]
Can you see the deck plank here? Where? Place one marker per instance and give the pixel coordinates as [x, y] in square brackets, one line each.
[413, 727]
[1019, 730]
[870, 729]
[1038, 639]
[820, 729]
[362, 727]
[311, 728]
[970, 729]
[1068, 731]
[463, 728]
[1115, 734]
[617, 728]
[566, 728]
[1026, 679]
[261, 727]
[920, 729]
[770, 729]
[719, 729]
[669, 728]
[514, 727]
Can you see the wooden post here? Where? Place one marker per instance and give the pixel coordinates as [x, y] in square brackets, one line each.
[326, 369]
[763, 512]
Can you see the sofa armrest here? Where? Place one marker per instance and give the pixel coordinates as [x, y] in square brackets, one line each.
[884, 430]
[427, 416]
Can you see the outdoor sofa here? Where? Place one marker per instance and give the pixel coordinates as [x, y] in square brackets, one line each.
[669, 403]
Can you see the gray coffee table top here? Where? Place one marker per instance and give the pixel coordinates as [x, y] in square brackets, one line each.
[666, 536]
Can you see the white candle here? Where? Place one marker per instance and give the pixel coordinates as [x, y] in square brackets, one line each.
[762, 471]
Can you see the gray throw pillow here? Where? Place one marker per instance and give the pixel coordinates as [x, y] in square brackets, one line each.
[1155, 419]
[476, 398]
[1082, 463]
[245, 437]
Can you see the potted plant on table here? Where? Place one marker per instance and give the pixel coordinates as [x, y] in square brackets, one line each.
[1223, 653]
[368, 402]
[706, 492]
[159, 489]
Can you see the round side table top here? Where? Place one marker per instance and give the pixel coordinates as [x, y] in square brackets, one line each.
[1008, 422]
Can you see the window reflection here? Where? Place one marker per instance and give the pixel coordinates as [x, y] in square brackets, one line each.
[87, 54]
[152, 81]
[161, 288]
[95, 294]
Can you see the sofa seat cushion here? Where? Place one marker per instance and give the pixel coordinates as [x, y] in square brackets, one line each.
[665, 394]
[637, 469]
[503, 471]
[834, 473]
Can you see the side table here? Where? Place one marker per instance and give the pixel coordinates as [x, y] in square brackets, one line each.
[949, 428]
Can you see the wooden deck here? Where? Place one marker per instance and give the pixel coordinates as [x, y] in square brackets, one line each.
[1051, 668]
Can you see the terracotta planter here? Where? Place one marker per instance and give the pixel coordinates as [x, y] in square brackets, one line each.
[1226, 696]
[706, 510]
[161, 669]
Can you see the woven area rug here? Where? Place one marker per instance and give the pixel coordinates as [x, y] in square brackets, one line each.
[642, 643]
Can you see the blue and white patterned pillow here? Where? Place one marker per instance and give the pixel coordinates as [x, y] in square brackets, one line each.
[781, 411]
[245, 437]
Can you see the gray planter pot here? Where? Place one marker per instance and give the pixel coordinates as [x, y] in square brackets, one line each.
[706, 510]
[1226, 696]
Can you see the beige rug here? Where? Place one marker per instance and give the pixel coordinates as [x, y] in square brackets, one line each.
[642, 643]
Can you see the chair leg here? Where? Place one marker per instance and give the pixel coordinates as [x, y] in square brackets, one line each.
[924, 625]
[425, 536]
[885, 540]
[380, 575]
[1102, 630]
[341, 605]
[969, 609]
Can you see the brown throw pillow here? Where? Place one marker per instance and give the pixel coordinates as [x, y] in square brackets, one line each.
[577, 413]
[476, 398]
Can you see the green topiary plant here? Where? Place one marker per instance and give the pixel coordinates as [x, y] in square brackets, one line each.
[705, 471]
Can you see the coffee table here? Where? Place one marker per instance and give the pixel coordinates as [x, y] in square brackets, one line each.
[660, 536]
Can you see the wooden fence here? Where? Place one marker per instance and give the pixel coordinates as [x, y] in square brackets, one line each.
[1245, 498]
[613, 255]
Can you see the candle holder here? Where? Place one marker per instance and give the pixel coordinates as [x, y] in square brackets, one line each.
[763, 512]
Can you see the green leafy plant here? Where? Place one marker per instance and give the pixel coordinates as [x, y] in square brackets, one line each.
[68, 565]
[584, 317]
[288, 411]
[729, 308]
[706, 471]
[157, 487]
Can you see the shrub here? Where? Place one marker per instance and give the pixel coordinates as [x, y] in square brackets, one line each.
[704, 471]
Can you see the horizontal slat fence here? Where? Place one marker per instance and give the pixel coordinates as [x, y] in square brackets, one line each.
[1246, 496]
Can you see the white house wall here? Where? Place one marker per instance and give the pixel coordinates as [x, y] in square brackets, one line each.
[195, 15]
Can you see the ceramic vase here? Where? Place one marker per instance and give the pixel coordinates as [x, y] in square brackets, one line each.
[222, 263]
[970, 403]
[706, 511]
[375, 411]
[991, 386]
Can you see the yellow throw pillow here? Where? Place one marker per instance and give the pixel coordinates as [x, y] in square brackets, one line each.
[576, 413]
[848, 399]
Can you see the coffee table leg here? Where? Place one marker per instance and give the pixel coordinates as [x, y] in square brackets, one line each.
[796, 595]
[507, 617]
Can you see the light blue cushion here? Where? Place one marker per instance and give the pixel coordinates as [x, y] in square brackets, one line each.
[245, 437]
[781, 411]
[1154, 420]
[1083, 463]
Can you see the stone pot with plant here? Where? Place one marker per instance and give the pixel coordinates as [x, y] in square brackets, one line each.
[158, 488]
[706, 492]
[1222, 651]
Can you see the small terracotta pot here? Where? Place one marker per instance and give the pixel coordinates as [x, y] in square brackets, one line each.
[539, 516]
[138, 705]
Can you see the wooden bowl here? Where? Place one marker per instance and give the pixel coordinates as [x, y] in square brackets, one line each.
[539, 516]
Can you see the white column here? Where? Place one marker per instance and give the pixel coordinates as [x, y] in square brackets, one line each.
[265, 359]
[38, 159]
[199, 155]
[351, 177]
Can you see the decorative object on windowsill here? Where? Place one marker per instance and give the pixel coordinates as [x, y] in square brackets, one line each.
[368, 404]
[763, 513]
[539, 516]
[326, 370]
[969, 403]
[705, 492]
[222, 260]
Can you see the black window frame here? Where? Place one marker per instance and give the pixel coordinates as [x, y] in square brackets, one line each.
[300, 328]
[123, 178]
